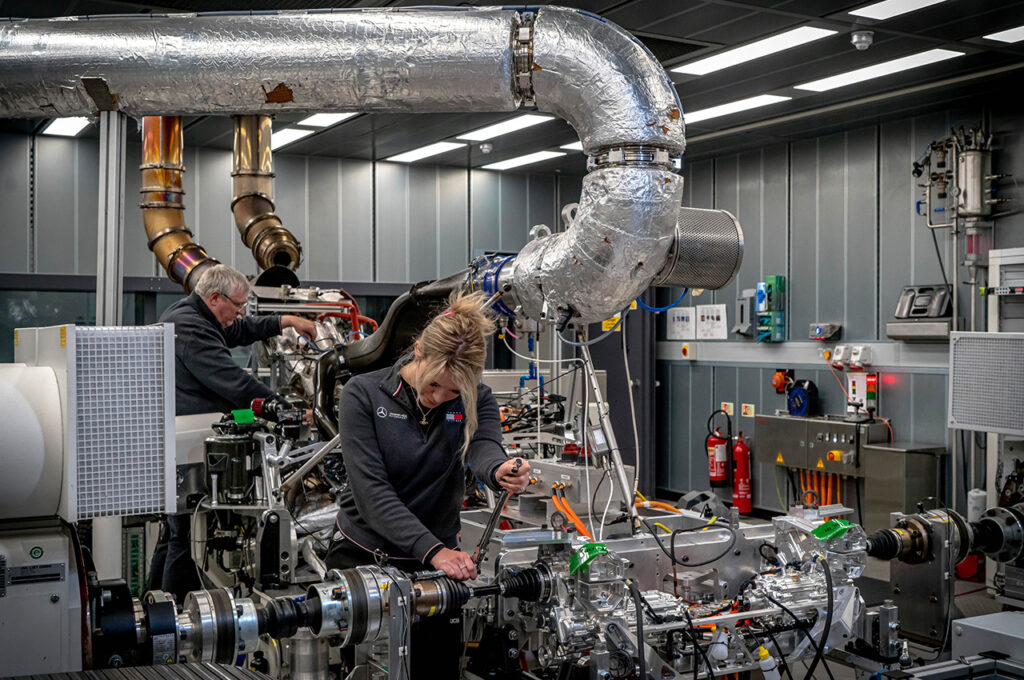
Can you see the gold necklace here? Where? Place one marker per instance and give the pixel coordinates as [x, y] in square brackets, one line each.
[422, 412]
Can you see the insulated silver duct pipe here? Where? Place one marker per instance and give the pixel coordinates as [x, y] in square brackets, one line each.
[573, 64]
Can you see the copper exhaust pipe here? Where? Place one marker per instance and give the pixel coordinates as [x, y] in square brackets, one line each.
[163, 207]
[253, 202]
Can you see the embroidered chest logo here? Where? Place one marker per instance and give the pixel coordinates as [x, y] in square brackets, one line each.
[382, 412]
[453, 417]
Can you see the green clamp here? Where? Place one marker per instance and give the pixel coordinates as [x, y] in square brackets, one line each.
[834, 528]
[585, 555]
[243, 415]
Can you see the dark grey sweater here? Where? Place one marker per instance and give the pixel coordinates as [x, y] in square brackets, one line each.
[206, 378]
[406, 480]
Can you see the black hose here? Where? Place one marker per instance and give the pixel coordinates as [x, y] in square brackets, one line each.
[634, 589]
[800, 625]
[819, 652]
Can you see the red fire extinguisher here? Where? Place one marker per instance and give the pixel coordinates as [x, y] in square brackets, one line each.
[718, 458]
[741, 475]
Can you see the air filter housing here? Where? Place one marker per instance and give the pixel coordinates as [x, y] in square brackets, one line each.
[707, 251]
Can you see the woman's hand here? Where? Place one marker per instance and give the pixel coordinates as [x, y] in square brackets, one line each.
[455, 563]
[514, 481]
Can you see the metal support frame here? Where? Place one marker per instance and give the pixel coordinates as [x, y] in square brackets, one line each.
[106, 547]
[109, 247]
[624, 483]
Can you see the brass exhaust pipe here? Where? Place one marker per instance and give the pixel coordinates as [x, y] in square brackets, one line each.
[253, 202]
[163, 207]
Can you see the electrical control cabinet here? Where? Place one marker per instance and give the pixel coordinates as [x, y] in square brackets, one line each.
[823, 444]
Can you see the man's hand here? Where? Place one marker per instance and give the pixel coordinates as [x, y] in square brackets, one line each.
[303, 327]
[516, 482]
[455, 563]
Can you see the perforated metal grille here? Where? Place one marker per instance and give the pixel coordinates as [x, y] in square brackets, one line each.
[707, 252]
[119, 420]
[986, 386]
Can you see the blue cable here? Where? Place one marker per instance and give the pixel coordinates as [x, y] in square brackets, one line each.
[658, 310]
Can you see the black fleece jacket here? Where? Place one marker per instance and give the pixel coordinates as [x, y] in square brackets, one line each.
[206, 378]
[406, 481]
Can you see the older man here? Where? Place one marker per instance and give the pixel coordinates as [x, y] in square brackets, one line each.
[207, 380]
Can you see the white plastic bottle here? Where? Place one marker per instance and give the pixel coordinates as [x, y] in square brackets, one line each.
[768, 665]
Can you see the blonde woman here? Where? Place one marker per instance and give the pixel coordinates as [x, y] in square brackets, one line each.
[407, 433]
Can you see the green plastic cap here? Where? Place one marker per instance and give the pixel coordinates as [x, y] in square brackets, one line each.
[585, 555]
[834, 528]
[243, 415]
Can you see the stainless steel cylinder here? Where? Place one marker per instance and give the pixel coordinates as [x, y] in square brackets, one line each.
[308, 656]
[707, 250]
[352, 605]
[973, 179]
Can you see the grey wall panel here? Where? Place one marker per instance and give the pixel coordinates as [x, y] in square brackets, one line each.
[541, 206]
[702, 184]
[701, 404]
[802, 285]
[514, 200]
[138, 260]
[212, 221]
[925, 265]
[749, 212]
[1008, 158]
[292, 196]
[831, 228]
[87, 182]
[423, 227]
[861, 247]
[726, 198]
[896, 205]
[356, 220]
[320, 250]
[14, 196]
[392, 222]
[453, 220]
[775, 208]
[56, 213]
[485, 215]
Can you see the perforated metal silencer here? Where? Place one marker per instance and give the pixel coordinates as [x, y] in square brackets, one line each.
[707, 251]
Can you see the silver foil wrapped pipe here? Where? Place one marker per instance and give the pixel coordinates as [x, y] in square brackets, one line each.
[616, 244]
[368, 60]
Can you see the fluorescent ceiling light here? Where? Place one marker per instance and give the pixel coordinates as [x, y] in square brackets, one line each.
[505, 127]
[755, 50]
[733, 107]
[425, 152]
[892, 8]
[523, 160]
[1010, 35]
[878, 70]
[66, 127]
[322, 120]
[287, 136]
[575, 146]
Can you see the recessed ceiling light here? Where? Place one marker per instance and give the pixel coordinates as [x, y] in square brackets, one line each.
[523, 160]
[322, 120]
[755, 50]
[505, 127]
[878, 70]
[287, 136]
[575, 146]
[66, 127]
[892, 8]
[1010, 35]
[733, 107]
[425, 152]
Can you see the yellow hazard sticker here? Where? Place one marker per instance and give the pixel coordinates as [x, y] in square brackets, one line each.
[63, 336]
[778, 459]
[821, 464]
[609, 324]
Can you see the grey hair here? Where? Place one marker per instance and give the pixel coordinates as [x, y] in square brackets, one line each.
[220, 278]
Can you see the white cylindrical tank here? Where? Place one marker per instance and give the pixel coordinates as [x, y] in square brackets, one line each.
[32, 442]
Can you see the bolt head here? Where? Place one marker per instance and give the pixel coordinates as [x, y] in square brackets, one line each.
[54, 598]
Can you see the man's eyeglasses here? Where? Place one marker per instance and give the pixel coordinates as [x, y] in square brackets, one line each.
[239, 306]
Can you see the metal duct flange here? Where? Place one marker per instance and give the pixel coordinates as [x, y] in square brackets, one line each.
[253, 203]
[707, 250]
